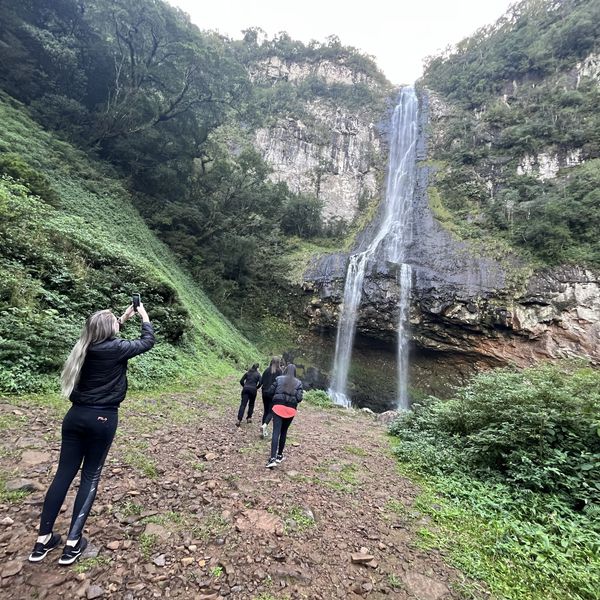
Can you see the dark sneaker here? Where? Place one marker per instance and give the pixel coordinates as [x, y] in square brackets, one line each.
[40, 550]
[279, 458]
[238, 424]
[72, 553]
[249, 420]
[272, 463]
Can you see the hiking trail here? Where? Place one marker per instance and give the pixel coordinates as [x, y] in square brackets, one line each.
[187, 509]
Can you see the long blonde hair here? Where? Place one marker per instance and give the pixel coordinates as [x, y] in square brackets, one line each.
[99, 327]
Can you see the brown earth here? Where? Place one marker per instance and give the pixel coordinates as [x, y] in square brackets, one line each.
[187, 509]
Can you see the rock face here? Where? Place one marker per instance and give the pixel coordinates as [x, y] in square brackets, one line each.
[328, 151]
[467, 312]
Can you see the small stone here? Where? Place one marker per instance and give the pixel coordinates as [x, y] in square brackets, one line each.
[81, 591]
[192, 547]
[22, 485]
[373, 564]
[160, 561]
[360, 558]
[31, 458]
[113, 545]
[157, 530]
[6, 521]
[187, 561]
[210, 456]
[94, 591]
[12, 568]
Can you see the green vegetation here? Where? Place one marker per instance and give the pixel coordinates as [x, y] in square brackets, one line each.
[517, 107]
[299, 519]
[175, 112]
[318, 398]
[216, 571]
[87, 564]
[59, 264]
[148, 543]
[510, 470]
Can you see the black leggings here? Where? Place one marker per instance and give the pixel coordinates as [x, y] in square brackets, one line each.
[248, 397]
[87, 434]
[280, 429]
[267, 404]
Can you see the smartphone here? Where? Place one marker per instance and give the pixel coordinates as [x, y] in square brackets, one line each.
[135, 300]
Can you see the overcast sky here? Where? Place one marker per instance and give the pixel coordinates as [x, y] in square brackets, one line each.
[399, 37]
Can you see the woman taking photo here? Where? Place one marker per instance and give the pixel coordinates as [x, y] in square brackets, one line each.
[94, 379]
[287, 394]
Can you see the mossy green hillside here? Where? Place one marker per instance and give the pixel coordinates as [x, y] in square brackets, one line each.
[73, 243]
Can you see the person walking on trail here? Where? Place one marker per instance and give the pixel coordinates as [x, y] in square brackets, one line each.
[250, 382]
[287, 394]
[268, 378]
[94, 379]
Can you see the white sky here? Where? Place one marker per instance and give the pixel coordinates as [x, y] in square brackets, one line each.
[399, 37]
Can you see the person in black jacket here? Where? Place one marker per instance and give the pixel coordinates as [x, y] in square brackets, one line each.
[287, 394]
[250, 382]
[268, 377]
[94, 379]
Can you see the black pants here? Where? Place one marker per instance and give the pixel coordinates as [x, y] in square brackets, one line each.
[280, 429]
[248, 398]
[87, 434]
[267, 404]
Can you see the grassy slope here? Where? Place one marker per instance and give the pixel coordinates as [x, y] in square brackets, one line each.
[96, 210]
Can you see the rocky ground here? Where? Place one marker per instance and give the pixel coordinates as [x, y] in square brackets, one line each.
[186, 508]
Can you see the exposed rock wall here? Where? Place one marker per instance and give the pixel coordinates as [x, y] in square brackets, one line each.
[469, 311]
[334, 157]
[328, 151]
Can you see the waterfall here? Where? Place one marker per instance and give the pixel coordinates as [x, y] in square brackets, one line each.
[390, 242]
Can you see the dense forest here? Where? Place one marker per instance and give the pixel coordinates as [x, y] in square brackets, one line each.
[173, 109]
[518, 158]
[164, 115]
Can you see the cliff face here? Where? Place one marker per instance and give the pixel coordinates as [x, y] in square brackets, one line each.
[468, 312]
[325, 149]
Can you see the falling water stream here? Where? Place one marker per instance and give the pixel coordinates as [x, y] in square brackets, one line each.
[390, 243]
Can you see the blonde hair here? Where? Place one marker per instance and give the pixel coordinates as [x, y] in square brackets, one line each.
[99, 327]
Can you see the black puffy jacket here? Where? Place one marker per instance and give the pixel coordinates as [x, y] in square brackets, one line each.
[280, 396]
[103, 379]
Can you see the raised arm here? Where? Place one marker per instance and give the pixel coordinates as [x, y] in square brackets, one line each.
[130, 348]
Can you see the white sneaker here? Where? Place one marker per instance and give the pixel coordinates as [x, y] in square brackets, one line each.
[263, 428]
[272, 463]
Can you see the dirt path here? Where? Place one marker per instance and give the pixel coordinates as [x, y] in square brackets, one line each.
[187, 509]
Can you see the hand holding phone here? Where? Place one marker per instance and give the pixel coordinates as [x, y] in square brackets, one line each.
[136, 300]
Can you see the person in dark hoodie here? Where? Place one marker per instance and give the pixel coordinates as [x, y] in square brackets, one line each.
[250, 382]
[287, 394]
[268, 378]
[94, 379]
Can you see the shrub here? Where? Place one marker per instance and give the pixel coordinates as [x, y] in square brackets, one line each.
[14, 166]
[318, 398]
[536, 429]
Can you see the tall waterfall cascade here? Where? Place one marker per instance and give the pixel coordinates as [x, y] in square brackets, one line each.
[389, 243]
